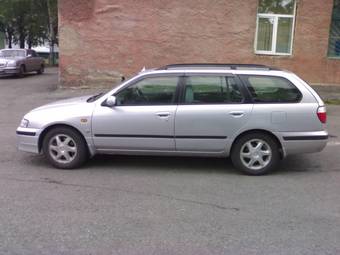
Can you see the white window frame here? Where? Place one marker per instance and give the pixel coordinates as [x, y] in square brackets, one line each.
[275, 17]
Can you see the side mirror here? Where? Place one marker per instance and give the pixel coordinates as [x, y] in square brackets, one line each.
[111, 101]
[29, 55]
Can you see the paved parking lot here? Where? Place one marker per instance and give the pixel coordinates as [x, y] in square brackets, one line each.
[152, 205]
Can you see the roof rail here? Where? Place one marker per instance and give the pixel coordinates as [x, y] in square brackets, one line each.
[216, 65]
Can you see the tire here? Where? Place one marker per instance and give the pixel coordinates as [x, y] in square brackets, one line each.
[21, 73]
[65, 148]
[253, 160]
[41, 70]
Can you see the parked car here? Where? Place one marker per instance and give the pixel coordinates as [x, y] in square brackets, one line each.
[253, 113]
[20, 61]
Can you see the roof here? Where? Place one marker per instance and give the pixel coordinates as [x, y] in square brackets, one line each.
[213, 68]
[201, 66]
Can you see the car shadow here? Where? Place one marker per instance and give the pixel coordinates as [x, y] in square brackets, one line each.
[143, 163]
[298, 164]
[159, 163]
[15, 77]
[288, 166]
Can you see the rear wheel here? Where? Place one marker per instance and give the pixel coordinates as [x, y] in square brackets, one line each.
[255, 154]
[65, 148]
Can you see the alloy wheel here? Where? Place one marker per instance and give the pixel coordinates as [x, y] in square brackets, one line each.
[255, 154]
[62, 148]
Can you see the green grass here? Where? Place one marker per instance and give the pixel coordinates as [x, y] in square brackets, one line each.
[333, 101]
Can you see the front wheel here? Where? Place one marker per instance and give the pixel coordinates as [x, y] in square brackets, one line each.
[22, 71]
[41, 70]
[65, 148]
[255, 154]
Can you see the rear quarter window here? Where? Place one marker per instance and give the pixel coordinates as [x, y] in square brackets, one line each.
[271, 89]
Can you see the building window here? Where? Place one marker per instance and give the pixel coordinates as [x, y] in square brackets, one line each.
[275, 27]
[334, 37]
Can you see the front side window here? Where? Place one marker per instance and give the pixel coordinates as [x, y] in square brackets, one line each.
[334, 36]
[211, 90]
[149, 91]
[275, 27]
[271, 89]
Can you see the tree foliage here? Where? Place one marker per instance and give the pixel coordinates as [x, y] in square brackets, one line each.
[30, 21]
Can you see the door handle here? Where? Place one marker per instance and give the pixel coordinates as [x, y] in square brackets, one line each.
[236, 114]
[163, 114]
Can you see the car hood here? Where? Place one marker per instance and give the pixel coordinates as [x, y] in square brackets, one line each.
[5, 60]
[64, 103]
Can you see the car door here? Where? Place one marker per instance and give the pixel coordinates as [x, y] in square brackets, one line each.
[35, 61]
[212, 110]
[30, 62]
[142, 119]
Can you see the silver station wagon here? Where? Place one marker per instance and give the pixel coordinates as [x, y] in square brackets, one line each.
[255, 114]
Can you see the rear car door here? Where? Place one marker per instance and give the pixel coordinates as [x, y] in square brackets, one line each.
[143, 118]
[212, 109]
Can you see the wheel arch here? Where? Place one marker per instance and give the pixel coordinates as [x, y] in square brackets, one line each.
[276, 139]
[48, 128]
[24, 65]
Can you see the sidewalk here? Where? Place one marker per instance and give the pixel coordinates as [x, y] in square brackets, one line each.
[328, 93]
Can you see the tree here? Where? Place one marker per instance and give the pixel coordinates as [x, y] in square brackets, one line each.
[52, 9]
[30, 21]
[7, 19]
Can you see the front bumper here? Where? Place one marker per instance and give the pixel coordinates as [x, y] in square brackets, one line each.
[28, 140]
[9, 71]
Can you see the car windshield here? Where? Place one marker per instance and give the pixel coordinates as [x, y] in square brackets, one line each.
[12, 53]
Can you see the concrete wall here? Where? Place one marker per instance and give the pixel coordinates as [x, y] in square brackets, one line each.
[100, 40]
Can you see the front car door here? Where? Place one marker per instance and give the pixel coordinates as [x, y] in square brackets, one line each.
[212, 110]
[29, 63]
[142, 120]
[35, 61]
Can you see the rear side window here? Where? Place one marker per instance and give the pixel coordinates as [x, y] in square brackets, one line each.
[211, 90]
[271, 89]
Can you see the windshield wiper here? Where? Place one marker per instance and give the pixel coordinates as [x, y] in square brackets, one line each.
[94, 98]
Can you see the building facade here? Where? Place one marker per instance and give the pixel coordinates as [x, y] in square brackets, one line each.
[102, 40]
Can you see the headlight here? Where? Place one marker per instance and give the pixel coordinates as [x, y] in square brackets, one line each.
[24, 123]
[11, 63]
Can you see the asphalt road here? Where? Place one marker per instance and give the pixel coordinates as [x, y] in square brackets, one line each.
[156, 205]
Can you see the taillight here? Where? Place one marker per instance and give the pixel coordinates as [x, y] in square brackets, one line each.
[322, 114]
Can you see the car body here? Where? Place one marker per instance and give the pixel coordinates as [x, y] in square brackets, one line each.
[253, 113]
[20, 61]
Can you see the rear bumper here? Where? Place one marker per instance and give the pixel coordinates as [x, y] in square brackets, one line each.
[303, 142]
[28, 140]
